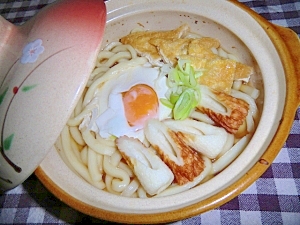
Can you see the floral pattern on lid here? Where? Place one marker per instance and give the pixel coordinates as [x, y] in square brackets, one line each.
[32, 51]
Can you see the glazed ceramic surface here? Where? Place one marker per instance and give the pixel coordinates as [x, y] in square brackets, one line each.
[241, 34]
[44, 65]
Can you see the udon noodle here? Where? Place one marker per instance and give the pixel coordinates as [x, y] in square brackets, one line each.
[99, 159]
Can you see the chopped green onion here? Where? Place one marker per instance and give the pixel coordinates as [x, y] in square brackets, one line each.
[167, 103]
[184, 105]
[174, 98]
[193, 81]
[184, 93]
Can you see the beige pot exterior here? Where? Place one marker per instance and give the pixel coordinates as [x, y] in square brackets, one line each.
[287, 45]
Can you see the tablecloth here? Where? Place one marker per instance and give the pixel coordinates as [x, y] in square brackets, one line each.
[273, 199]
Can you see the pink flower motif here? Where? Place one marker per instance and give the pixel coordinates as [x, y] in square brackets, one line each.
[32, 51]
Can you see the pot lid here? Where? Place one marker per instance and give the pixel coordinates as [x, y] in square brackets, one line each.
[44, 68]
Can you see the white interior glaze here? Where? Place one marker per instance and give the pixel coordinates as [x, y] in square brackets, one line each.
[122, 17]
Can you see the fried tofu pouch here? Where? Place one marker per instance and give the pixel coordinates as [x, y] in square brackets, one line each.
[169, 46]
[140, 41]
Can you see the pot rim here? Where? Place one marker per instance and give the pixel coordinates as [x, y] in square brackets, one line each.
[289, 58]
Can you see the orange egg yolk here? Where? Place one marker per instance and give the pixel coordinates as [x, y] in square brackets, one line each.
[140, 104]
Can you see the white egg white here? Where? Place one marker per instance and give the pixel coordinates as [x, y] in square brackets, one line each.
[112, 120]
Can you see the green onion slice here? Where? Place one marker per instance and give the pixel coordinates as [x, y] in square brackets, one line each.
[184, 93]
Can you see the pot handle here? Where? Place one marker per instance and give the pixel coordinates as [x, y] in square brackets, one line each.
[11, 41]
[5, 27]
[5, 31]
[292, 43]
[289, 49]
